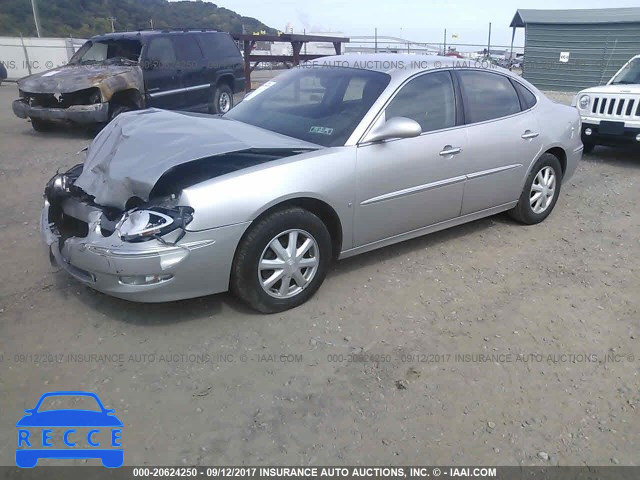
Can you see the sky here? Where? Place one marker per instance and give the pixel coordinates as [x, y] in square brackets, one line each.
[415, 20]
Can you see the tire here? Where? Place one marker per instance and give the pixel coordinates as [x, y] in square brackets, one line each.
[588, 147]
[249, 282]
[115, 110]
[41, 125]
[529, 211]
[222, 100]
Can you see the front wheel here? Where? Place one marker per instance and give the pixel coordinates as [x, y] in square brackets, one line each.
[41, 125]
[115, 110]
[282, 260]
[540, 191]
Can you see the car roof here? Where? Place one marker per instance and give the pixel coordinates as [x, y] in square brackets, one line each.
[139, 34]
[402, 64]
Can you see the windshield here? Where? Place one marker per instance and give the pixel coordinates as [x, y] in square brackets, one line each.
[67, 402]
[111, 50]
[630, 74]
[317, 105]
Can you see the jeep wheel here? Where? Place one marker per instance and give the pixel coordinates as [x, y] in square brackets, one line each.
[222, 100]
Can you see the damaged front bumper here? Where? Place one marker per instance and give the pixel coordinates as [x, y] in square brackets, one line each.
[146, 271]
[94, 113]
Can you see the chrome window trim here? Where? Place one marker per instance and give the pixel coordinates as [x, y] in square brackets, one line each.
[452, 71]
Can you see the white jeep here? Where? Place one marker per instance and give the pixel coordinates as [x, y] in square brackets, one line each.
[611, 113]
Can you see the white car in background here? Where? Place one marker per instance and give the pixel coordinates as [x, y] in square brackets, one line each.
[611, 113]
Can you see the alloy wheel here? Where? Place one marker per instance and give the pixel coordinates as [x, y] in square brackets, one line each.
[224, 102]
[288, 263]
[542, 190]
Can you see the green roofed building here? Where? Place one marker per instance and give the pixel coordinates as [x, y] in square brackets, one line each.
[574, 49]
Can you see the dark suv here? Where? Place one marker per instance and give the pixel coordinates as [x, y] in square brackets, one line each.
[112, 73]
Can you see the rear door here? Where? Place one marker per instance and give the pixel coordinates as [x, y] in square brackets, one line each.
[192, 69]
[224, 61]
[503, 139]
[162, 80]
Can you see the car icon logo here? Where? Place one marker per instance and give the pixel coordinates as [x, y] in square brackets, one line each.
[79, 434]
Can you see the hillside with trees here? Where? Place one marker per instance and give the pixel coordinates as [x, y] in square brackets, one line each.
[84, 18]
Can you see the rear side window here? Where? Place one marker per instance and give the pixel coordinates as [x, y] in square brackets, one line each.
[527, 98]
[428, 99]
[487, 96]
[217, 46]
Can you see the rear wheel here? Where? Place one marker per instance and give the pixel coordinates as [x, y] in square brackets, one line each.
[222, 100]
[282, 260]
[540, 191]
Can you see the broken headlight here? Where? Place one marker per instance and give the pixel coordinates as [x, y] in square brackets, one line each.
[141, 225]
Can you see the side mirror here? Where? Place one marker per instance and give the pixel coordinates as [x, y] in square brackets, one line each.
[396, 127]
[28, 410]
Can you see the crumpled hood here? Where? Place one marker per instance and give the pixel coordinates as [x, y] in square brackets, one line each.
[71, 78]
[613, 89]
[130, 154]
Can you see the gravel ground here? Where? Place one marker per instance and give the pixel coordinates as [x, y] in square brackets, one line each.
[483, 344]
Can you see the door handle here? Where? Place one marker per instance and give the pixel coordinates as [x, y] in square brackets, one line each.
[529, 134]
[449, 150]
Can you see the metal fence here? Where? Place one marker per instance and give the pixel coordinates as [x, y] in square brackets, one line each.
[24, 56]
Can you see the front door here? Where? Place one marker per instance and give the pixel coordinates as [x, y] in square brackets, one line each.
[407, 184]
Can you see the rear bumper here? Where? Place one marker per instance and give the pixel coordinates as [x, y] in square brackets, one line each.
[596, 137]
[96, 113]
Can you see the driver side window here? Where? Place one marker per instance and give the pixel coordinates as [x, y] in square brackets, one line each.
[161, 51]
[428, 99]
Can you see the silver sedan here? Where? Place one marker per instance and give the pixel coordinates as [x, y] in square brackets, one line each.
[328, 160]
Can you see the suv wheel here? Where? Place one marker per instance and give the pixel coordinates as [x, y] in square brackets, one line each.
[222, 100]
[115, 110]
[41, 125]
[282, 260]
[540, 191]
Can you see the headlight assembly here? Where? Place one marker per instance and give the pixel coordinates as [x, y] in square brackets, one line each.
[584, 101]
[152, 223]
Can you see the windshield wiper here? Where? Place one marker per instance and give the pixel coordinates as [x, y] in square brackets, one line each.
[120, 59]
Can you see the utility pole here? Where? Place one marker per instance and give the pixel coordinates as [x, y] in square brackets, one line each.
[444, 48]
[489, 42]
[376, 40]
[112, 19]
[151, 22]
[34, 7]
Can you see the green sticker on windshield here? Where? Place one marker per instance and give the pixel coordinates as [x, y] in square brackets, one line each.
[321, 130]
